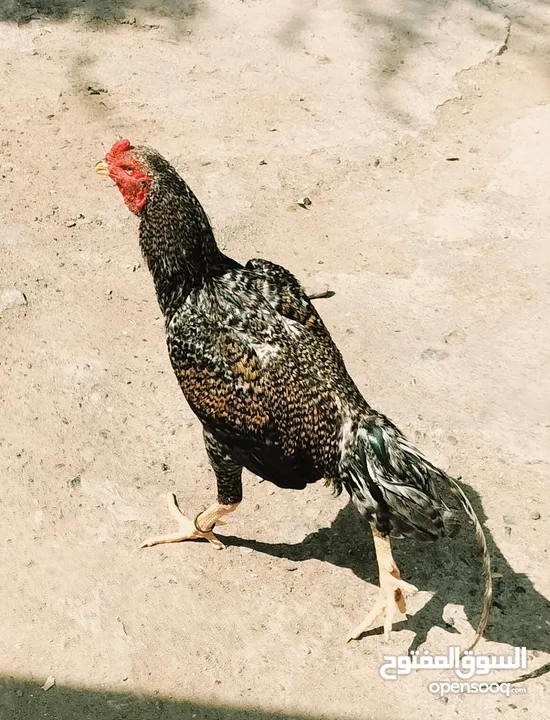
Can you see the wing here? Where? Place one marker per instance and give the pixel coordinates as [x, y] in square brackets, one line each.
[287, 296]
[260, 370]
[219, 373]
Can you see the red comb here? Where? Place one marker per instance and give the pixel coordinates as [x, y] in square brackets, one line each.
[121, 146]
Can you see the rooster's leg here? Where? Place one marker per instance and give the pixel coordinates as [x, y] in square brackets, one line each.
[188, 529]
[390, 599]
[230, 493]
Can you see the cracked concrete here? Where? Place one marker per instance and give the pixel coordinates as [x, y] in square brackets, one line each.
[419, 130]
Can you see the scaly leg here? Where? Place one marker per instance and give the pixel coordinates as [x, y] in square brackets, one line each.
[201, 527]
[230, 493]
[391, 598]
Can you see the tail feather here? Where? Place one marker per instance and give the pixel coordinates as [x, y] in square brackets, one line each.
[395, 486]
[455, 488]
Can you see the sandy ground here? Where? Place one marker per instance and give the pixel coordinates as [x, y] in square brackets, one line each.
[420, 131]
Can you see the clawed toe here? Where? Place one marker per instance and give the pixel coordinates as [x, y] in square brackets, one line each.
[390, 601]
[187, 529]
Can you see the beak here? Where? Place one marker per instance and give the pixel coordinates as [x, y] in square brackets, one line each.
[101, 168]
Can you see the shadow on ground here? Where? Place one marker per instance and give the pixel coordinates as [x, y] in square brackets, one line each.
[400, 30]
[451, 568]
[24, 700]
[95, 11]
[405, 21]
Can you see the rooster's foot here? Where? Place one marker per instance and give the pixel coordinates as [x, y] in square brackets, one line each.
[189, 529]
[391, 599]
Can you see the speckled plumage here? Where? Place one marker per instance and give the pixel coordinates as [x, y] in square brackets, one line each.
[259, 369]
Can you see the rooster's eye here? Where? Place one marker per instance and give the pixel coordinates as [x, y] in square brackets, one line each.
[129, 170]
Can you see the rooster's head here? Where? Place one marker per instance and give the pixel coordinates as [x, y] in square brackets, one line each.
[127, 166]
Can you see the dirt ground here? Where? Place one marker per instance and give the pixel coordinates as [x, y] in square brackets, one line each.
[420, 131]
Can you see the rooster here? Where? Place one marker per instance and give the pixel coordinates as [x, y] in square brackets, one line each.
[260, 370]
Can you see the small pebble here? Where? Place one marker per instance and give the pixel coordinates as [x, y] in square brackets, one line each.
[534, 515]
[50, 682]
[450, 336]
[73, 223]
[11, 298]
[320, 291]
[304, 202]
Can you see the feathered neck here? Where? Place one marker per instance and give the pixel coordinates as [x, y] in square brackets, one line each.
[176, 238]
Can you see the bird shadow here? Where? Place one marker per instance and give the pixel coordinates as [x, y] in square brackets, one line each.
[450, 568]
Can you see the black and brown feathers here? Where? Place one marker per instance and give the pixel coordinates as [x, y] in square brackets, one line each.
[261, 372]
